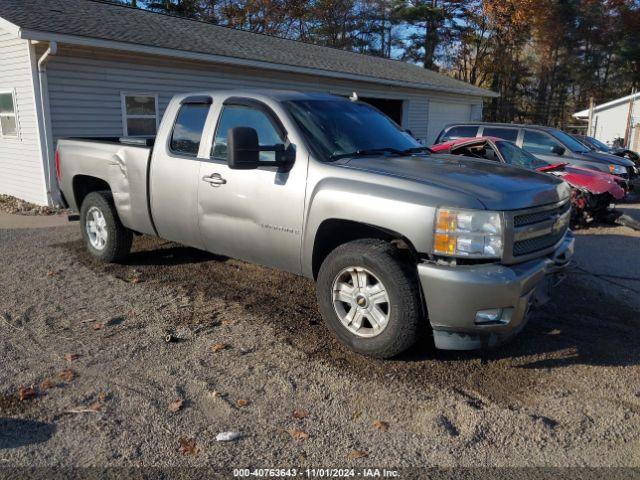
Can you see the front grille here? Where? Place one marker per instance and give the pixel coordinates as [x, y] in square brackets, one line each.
[537, 217]
[536, 231]
[532, 245]
[530, 218]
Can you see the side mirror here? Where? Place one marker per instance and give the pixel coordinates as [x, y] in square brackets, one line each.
[243, 149]
[558, 150]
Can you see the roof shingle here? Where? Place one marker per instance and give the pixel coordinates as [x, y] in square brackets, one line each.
[105, 21]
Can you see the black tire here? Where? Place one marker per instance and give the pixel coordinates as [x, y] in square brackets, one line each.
[400, 279]
[119, 238]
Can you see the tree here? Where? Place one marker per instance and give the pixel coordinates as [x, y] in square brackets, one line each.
[427, 23]
[185, 8]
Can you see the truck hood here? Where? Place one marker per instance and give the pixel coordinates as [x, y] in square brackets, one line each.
[495, 185]
[607, 158]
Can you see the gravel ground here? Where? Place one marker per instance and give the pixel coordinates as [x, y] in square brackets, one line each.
[251, 354]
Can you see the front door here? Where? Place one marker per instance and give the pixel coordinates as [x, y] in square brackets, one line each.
[254, 215]
[540, 145]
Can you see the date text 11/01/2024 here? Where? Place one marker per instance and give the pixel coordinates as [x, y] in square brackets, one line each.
[317, 473]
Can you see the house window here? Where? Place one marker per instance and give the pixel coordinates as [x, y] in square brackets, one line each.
[140, 114]
[8, 119]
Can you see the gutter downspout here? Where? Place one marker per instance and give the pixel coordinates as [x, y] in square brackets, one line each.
[52, 187]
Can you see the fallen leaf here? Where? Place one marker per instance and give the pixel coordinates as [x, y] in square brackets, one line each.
[217, 347]
[47, 384]
[71, 357]
[226, 322]
[188, 446]
[99, 403]
[298, 434]
[300, 414]
[176, 405]
[98, 326]
[26, 393]
[242, 402]
[51, 273]
[67, 375]
[380, 425]
[135, 280]
[357, 454]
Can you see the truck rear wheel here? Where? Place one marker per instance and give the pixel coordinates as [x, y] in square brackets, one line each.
[369, 297]
[105, 236]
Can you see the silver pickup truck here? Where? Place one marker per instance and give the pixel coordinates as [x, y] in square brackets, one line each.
[330, 188]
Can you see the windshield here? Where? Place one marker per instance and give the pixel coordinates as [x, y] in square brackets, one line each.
[336, 128]
[598, 144]
[569, 142]
[514, 155]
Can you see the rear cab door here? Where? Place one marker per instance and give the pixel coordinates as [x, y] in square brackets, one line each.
[175, 169]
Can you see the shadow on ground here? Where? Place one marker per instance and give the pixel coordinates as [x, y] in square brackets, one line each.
[15, 432]
[580, 327]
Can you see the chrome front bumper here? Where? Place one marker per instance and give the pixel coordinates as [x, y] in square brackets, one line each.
[454, 295]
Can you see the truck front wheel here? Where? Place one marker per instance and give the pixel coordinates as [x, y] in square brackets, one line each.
[105, 236]
[369, 297]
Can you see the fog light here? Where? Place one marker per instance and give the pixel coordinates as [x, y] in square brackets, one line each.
[493, 315]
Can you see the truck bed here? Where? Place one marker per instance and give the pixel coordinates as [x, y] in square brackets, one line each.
[123, 163]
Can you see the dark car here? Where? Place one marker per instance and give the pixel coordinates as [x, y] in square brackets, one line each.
[598, 146]
[546, 143]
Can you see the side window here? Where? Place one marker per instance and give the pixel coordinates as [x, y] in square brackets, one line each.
[510, 134]
[538, 142]
[454, 133]
[240, 116]
[187, 131]
[140, 115]
[8, 118]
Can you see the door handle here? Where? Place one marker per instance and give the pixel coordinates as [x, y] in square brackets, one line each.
[215, 180]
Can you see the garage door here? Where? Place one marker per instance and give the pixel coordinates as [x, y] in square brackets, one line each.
[442, 113]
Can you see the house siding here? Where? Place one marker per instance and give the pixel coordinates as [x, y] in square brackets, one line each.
[85, 87]
[611, 123]
[21, 158]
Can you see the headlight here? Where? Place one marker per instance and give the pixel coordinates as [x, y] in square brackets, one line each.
[468, 233]
[617, 169]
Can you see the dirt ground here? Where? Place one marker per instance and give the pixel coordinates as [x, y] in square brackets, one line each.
[250, 354]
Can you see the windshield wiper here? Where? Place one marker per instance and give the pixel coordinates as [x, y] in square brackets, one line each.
[367, 152]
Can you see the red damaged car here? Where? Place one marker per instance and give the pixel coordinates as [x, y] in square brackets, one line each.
[593, 191]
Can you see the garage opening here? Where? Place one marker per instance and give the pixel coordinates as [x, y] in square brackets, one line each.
[391, 108]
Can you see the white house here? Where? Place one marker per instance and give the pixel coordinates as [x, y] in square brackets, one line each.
[89, 68]
[611, 119]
